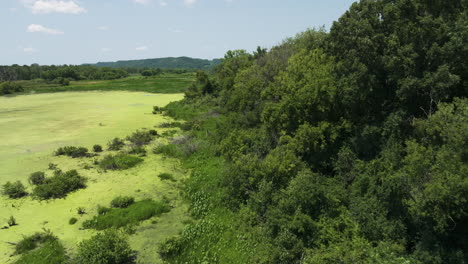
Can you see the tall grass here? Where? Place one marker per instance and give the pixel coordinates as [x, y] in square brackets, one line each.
[132, 215]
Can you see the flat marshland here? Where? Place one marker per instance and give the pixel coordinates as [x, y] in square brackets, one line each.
[34, 126]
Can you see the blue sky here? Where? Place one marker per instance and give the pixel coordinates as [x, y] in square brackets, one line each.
[88, 31]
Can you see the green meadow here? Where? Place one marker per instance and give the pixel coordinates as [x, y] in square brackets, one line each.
[34, 126]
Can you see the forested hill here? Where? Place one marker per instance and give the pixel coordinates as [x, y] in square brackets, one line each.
[164, 63]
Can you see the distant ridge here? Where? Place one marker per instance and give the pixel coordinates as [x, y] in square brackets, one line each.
[163, 63]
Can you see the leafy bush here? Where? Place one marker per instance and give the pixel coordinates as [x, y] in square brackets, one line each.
[73, 221]
[51, 252]
[122, 201]
[37, 178]
[119, 162]
[60, 185]
[32, 242]
[109, 247]
[52, 166]
[102, 210]
[157, 110]
[80, 210]
[10, 87]
[140, 138]
[170, 248]
[170, 124]
[14, 190]
[133, 214]
[115, 144]
[166, 176]
[97, 148]
[72, 151]
[138, 150]
[153, 132]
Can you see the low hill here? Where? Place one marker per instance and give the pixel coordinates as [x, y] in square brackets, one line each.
[163, 63]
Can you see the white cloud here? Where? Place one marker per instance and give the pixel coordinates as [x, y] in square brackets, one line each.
[143, 2]
[105, 49]
[53, 6]
[33, 28]
[175, 30]
[162, 3]
[103, 28]
[142, 48]
[29, 50]
[189, 2]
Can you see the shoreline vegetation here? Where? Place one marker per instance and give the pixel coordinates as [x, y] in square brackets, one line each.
[348, 146]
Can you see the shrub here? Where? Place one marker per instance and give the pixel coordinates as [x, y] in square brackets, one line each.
[138, 150]
[9, 88]
[32, 242]
[119, 162]
[102, 210]
[12, 221]
[80, 211]
[110, 246]
[169, 150]
[37, 178]
[73, 221]
[60, 185]
[52, 166]
[153, 132]
[72, 151]
[133, 214]
[51, 252]
[166, 176]
[140, 138]
[41, 248]
[115, 144]
[157, 110]
[97, 148]
[14, 190]
[122, 201]
[170, 248]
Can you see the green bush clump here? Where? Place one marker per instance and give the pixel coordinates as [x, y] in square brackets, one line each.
[133, 214]
[122, 201]
[153, 132]
[102, 210]
[115, 144]
[59, 185]
[119, 162]
[72, 151]
[14, 190]
[107, 247]
[37, 178]
[97, 148]
[166, 176]
[170, 248]
[73, 221]
[138, 150]
[41, 248]
[10, 87]
[140, 138]
[31, 242]
[51, 252]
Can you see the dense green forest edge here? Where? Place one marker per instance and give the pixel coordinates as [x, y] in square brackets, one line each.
[347, 146]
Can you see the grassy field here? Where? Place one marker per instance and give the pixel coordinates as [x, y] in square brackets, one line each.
[33, 126]
[166, 83]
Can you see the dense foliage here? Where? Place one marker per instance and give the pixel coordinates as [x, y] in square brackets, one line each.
[109, 247]
[119, 161]
[59, 185]
[14, 190]
[340, 147]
